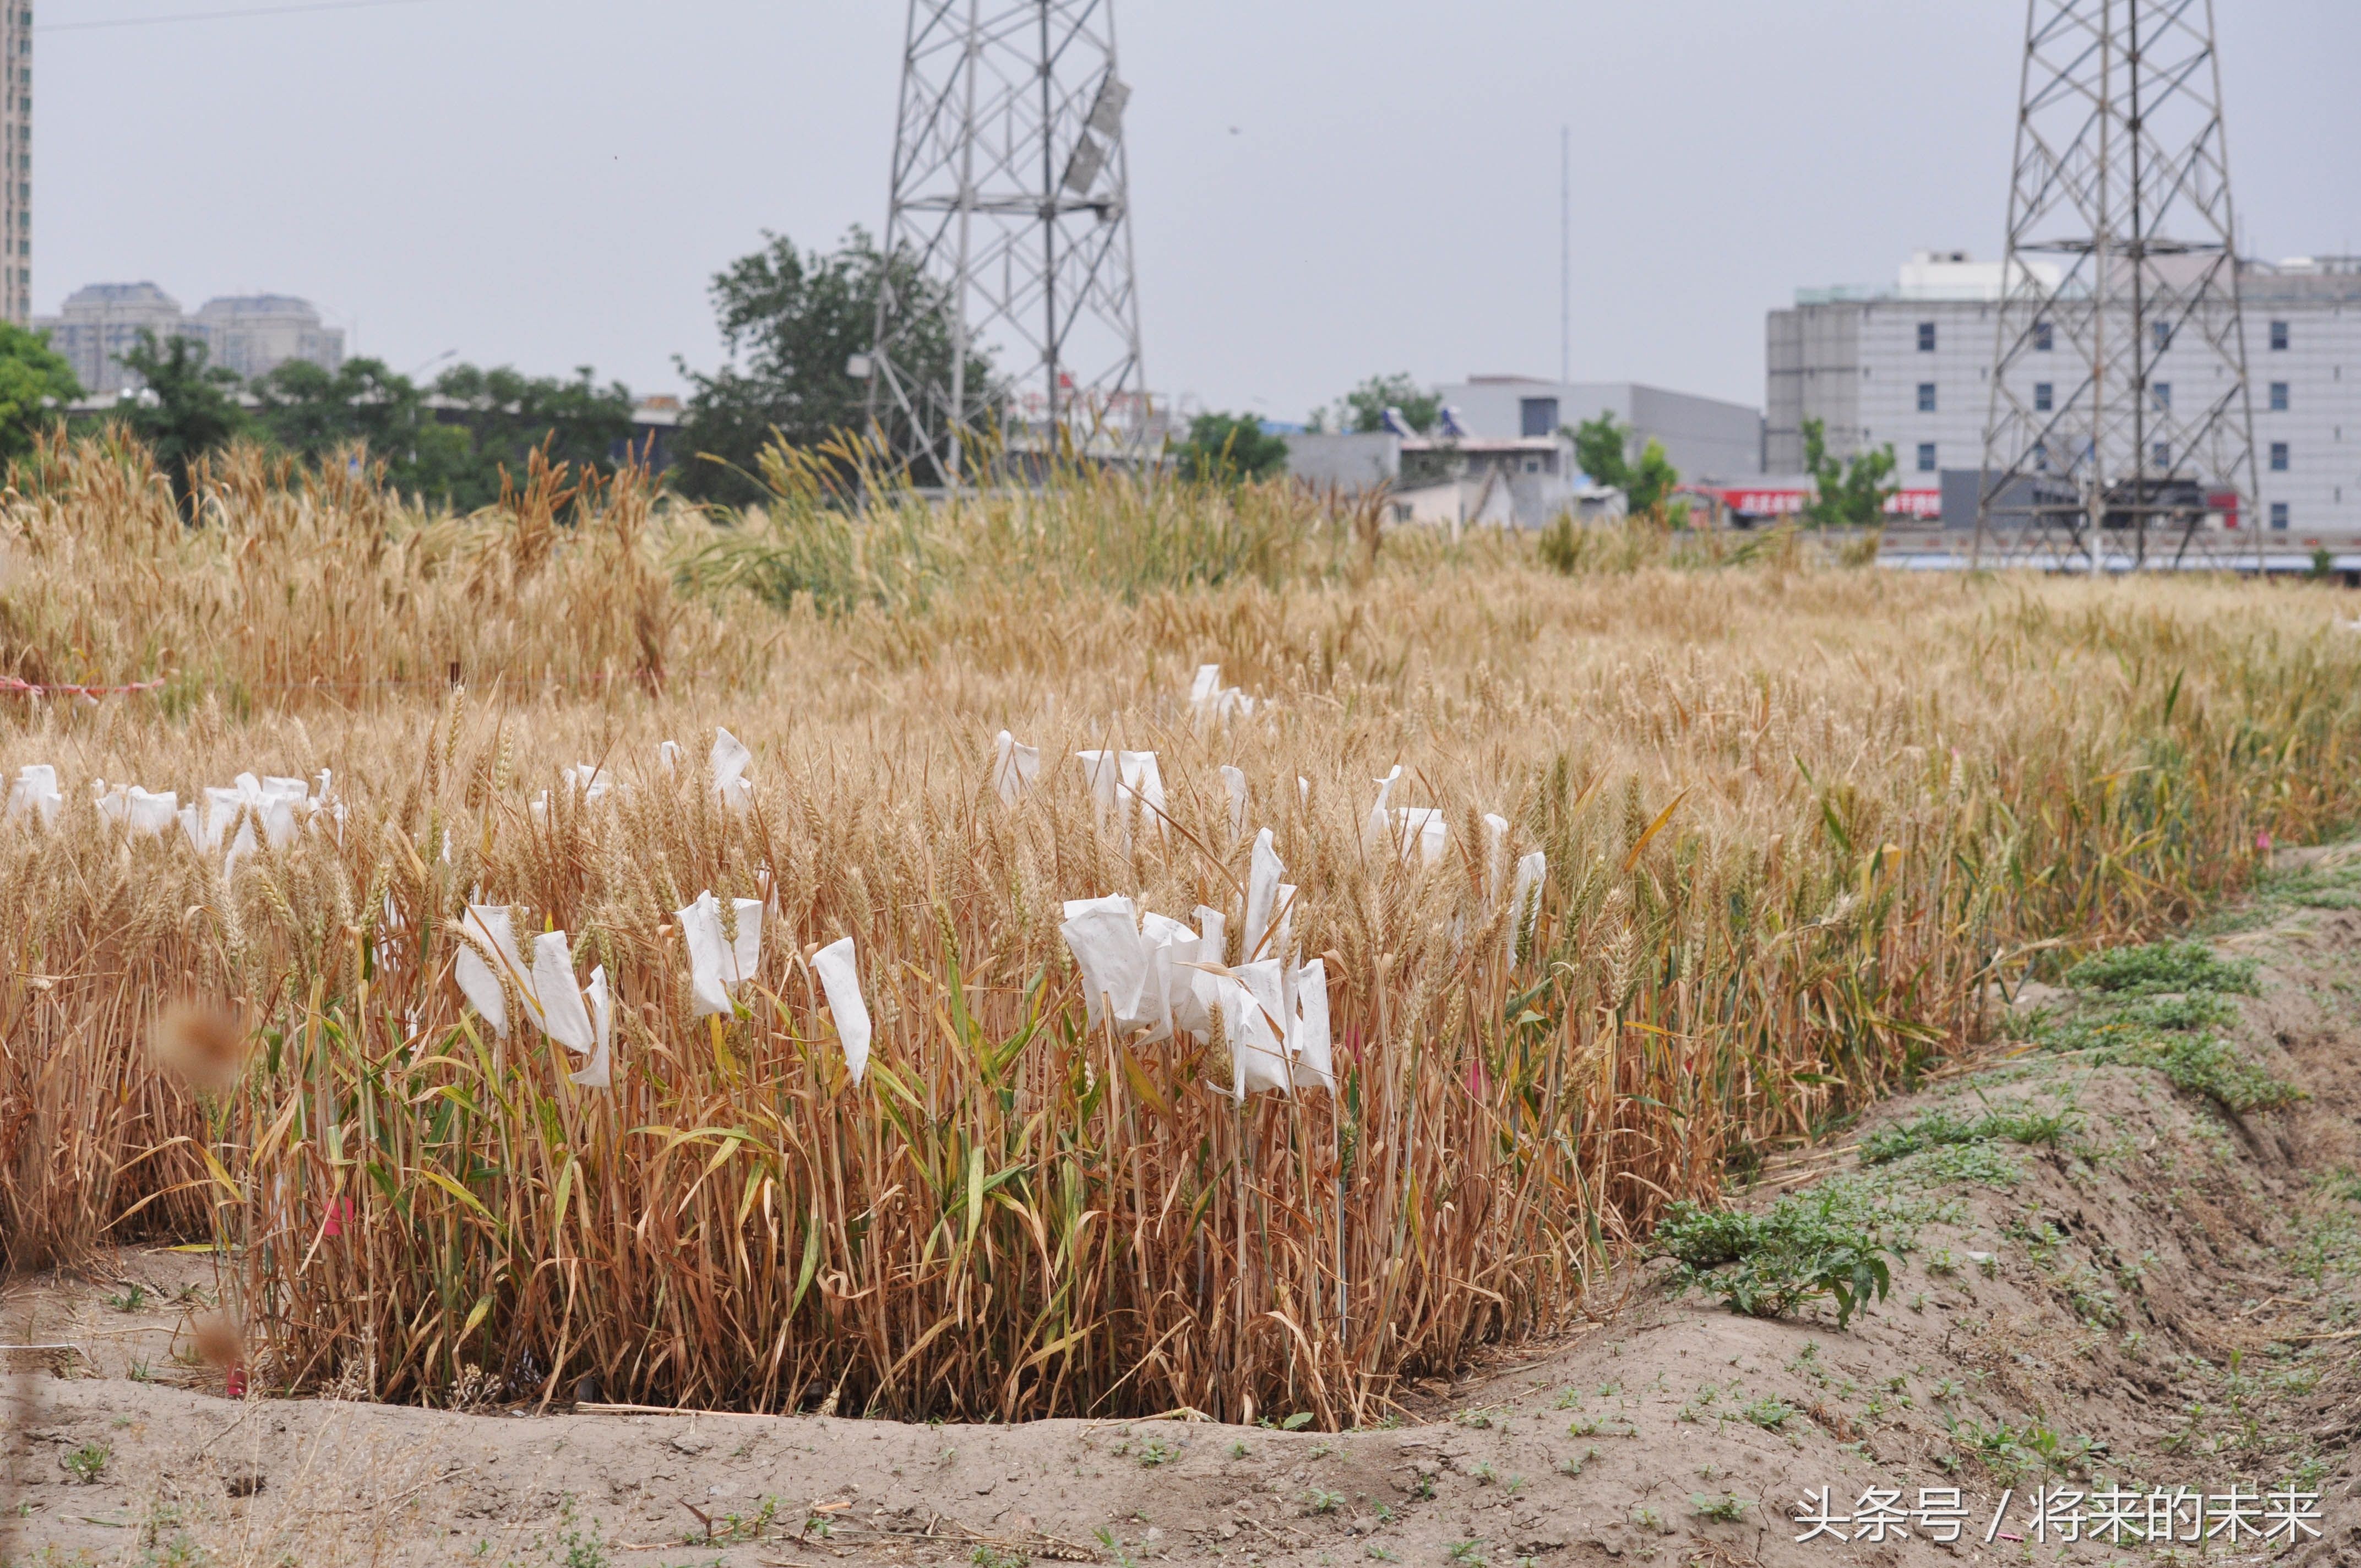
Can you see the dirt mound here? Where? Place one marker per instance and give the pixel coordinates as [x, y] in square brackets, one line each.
[2122, 1256]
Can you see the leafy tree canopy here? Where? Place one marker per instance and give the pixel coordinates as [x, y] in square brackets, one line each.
[1602, 449]
[793, 321]
[1848, 494]
[1230, 446]
[506, 414]
[1363, 409]
[451, 455]
[36, 383]
[189, 407]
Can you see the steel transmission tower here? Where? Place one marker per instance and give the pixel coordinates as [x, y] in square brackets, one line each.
[1008, 237]
[2120, 428]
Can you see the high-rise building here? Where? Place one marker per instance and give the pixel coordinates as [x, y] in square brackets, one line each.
[251, 335]
[255, 334]
[16, 173]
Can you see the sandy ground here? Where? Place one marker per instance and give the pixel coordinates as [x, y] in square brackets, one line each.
[2171, 1297]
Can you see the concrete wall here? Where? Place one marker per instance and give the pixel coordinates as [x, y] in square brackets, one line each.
[1348, 462]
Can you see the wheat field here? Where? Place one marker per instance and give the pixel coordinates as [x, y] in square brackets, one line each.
[1798, 820]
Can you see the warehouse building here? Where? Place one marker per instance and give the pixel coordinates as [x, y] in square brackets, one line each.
[1704, 437]
[1909, 365]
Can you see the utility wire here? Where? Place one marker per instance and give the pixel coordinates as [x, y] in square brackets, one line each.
[306, 6]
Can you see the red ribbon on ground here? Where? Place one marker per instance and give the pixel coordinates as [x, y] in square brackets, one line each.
[10, 684]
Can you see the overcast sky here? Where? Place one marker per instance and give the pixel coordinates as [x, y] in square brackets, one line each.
[1323, 188]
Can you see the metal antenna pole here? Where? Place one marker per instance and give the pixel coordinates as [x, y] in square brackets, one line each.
[2120, 299]
[1565, 253]
[1009, 312]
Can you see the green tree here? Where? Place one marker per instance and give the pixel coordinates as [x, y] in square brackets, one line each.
[1230, 446]
[793, 321]
[504, 415]
[1848, 494]
[187, 406]
[314, 413]
[36, 383]
[1364, 408]
[1602, 448]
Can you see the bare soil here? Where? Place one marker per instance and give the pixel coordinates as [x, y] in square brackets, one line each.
[2170, 1297]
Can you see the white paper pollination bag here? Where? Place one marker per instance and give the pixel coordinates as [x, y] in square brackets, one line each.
[1122, 783]
[35, 794]
[719, 968]
[553, 1002]
[1015, 768]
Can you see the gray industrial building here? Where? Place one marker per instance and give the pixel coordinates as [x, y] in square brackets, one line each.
[1705, 438]
[1909, 365]
[252, 334]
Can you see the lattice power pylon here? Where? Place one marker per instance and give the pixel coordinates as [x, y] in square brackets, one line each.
[1008, 235]
[2121, 433]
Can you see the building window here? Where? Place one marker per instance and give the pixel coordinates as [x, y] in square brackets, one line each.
[1926, 457]
[2160, 396]
[1926, 397]
[2279, 396]
[2044, 340]
[1532, 465]
[2278, 457]
[1926, 337]
[2041, 456]
[2278, 336]
[2279, 517]
[1537, 416]
[2160, 457]
[2044, 397]
[2162, 332]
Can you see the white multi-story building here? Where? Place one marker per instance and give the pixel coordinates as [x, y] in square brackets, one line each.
[1909, 365]
[16, 172]
[254, 334]
[250, 334]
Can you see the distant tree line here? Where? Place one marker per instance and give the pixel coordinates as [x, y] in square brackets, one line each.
[793, 323]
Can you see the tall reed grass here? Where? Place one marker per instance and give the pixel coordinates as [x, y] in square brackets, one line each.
[1797, 818]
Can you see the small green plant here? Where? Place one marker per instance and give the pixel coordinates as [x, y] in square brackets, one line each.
[986, 1557]
[1237, 1450]
[1424, 1487]
[89, 1462]
[1484, 1473]
[1379, 1554]
[1801, 1249]
[1770, 1414]
[1319, 1502]
[1729, 1508]
[1156, 1452]
[1297, 1421]
[1470, 1551]
[1937, 1128]
[2206, 1066]
[2162, 967]
[129, 1299]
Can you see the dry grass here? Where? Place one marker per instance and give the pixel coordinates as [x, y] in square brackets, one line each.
[1794, 814]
